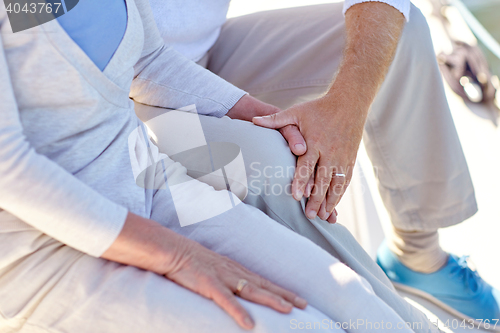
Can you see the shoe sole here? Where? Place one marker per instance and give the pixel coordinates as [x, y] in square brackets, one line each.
[447, 308]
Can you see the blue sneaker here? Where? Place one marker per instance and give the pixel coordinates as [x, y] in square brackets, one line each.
[456, 288]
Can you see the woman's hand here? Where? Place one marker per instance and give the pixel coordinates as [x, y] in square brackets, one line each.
[146, 244]
[216, 277]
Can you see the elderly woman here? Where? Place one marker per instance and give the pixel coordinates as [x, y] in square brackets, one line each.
[83, 248]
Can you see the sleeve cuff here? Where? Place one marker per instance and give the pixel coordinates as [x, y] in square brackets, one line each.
[402, 5]
[106, 233]
[232, 98]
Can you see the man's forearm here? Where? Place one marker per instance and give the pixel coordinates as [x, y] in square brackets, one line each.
[373, 30]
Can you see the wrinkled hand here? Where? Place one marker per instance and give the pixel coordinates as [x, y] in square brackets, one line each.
[332, 133]
[146, 244]
[216, 277]
[249, 107]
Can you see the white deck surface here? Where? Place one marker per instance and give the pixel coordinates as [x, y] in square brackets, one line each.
[479, 236]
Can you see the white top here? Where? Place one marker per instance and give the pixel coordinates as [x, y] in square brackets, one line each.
[193, 26]
[190, 26]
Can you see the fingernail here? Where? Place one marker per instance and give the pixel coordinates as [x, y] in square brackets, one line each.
[311, 214]
[257, 117]
[286, 304]
[249, 322]
[300, 302]
[298, 195]
[299, 146]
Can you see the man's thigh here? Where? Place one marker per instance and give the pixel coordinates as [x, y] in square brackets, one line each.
[281, 56]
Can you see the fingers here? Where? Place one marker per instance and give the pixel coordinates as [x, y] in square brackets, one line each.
[285, 294]
[330, 217]
[226, 299]
[309, 186]
[335, 192]
[305, 168]
[276, 120]
[322, 211]
[257, 290]
[255, 294]
[333, 217]
[323, 177]
[295, 139]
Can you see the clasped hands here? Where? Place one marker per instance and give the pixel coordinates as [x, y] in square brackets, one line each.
[324, 135]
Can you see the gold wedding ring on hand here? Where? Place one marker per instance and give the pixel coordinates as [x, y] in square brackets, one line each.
[241, 284]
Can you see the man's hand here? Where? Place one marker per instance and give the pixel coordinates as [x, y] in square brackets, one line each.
[333, 125]
[333, 139]
[249, 107]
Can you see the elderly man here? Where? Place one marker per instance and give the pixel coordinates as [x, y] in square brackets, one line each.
[326, 82]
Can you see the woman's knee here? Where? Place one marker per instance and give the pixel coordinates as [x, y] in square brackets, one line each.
[270, 166]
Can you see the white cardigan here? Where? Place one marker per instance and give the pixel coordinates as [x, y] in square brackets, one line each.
[64, 125]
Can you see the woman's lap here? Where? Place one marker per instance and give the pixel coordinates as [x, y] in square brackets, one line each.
[251, 238]
[58, 289]
[71, 291]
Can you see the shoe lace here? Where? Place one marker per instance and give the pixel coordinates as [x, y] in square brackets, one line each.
[466, 273]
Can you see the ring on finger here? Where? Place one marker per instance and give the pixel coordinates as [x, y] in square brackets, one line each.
[241, 284]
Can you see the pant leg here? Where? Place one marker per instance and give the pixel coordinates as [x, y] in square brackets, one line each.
[288, 56]
[269, 167]
[248, 236]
